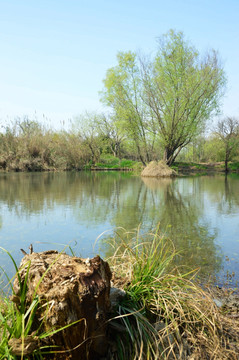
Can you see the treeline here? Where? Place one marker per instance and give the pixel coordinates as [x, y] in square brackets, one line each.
[158, 105]
[28, 145]
[94, 140]
[222, 145]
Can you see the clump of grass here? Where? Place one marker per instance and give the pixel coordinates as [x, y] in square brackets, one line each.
[164, 315]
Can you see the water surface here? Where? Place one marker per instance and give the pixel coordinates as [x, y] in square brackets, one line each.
[51, 210]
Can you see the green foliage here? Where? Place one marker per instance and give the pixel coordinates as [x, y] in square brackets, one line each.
[187, 165]
[165, 100]
[124, 163]
[16, 320]
[234, 166]
[107, 160]
[213, 150]
[228, 132]
[112, 162]
[123, 92]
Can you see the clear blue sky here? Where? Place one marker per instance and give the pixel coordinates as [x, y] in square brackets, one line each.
[55, 53]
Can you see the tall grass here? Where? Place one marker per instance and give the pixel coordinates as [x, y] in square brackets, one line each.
[16, 320]
[26, 145]
[164, 315]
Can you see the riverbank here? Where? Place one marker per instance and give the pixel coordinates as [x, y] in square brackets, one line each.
[115, 164]
[204, 168]
[213, 335]
[163, 313]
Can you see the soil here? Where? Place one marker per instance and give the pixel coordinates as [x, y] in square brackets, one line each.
[227, 301]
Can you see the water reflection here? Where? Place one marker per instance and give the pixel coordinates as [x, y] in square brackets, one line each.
[64, 207]
[181, 218]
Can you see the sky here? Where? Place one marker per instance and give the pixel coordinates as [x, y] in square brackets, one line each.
[55, 53]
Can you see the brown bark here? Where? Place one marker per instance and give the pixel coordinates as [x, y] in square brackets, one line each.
[73, 289]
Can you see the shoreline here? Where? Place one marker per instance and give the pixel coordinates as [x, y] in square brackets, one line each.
[217, 305]
[182, 169]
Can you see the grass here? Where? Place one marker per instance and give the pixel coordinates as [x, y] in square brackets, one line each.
[108, 161]
[164, 314]
[16, 321]
[186, 165]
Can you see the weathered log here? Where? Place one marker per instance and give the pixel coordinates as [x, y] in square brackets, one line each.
[69, 289]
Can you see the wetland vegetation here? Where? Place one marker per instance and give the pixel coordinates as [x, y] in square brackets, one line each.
[159, 108]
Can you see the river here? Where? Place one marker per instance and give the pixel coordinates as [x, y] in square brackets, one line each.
[199, 214]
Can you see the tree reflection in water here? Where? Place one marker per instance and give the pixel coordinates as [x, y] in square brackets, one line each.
[181, 219]
[87, 203]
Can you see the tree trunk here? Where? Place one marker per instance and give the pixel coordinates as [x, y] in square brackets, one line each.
[226, 165]
[167, 157]
[170, 155]
[69, 289]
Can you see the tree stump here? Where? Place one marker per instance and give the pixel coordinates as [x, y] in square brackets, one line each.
[69, 289]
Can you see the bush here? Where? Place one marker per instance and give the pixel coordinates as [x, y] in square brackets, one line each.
[126, 163]
[233, 166]
[108, 159]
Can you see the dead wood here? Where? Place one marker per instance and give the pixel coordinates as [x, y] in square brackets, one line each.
[69, 289]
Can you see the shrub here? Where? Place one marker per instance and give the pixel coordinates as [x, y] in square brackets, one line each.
[124, 163]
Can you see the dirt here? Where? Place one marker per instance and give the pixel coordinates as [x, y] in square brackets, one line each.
[227, 301]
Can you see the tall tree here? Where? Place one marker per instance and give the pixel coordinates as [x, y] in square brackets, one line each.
[169, 97]
[181, 90]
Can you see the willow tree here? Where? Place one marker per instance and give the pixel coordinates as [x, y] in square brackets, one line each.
[182, 90]
[170, 96]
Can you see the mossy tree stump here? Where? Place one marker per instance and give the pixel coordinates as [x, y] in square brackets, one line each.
[69, 289]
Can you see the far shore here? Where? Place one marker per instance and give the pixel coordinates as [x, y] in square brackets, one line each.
[181, 168]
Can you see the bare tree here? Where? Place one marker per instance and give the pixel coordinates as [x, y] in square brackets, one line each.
[228, 131]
